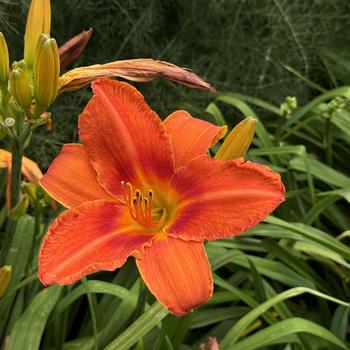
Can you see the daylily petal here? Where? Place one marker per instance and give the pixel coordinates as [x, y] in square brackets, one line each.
[71, 179]
[141, 70]
[191, 137]
[30, 170]
[223, 198]
[124, 138]
[4, 157]
[177, 273]
[95, 236]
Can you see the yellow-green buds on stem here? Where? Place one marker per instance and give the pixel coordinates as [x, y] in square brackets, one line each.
[5, 276]
[238, 140]
[39, 21]
[4, 61]
[20, 89]
[46, 73]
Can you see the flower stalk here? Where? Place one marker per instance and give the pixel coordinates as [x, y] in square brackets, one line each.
[18, 144]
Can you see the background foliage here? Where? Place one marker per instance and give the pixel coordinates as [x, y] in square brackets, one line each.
[238, 45]
[285, 283]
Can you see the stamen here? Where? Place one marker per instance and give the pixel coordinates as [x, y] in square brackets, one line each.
[140, 207]
[148, 211]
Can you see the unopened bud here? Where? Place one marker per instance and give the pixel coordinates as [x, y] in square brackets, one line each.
[39, 21]
[31, 191]
[238, 140]
[20, 209]
[20, 89]
[20, 64]
[288, 106]
[46, 73]
[5, 276]
[4, 61]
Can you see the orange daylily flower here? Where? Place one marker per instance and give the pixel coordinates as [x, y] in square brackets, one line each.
[30, 171]
[140, 187]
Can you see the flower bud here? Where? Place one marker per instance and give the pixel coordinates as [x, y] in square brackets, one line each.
[30, 190]
[46, 73]
[39, 21]
[4, 61]
[238, 140]
[20, 64]
[5, 276]
[20, 89]
[20, 209]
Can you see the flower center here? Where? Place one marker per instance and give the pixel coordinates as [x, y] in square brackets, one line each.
[141, 206]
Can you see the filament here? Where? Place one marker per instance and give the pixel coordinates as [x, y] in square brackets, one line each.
[141, 207]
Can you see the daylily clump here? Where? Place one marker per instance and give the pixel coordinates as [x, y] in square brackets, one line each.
[140, 187]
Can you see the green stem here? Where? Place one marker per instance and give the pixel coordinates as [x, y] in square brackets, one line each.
[38, 216]
[17, 153]
[17, 147]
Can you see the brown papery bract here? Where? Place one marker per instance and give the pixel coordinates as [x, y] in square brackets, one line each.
[72, 49]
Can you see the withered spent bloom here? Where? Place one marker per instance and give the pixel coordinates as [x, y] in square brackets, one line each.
[138, 70]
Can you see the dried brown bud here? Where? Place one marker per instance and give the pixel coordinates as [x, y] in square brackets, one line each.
[72, 49]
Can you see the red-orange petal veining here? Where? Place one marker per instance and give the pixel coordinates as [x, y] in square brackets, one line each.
[97, 235]
[124, 138]
[223, 198]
